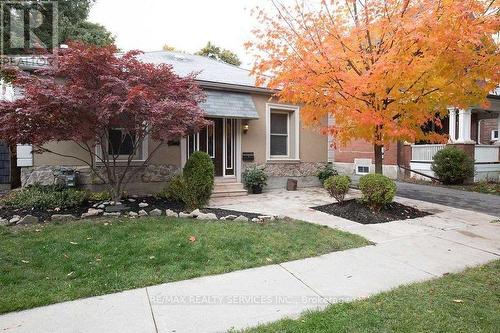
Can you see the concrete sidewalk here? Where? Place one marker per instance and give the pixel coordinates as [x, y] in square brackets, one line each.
[406, 252]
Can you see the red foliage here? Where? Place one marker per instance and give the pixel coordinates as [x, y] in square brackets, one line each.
[94, 89]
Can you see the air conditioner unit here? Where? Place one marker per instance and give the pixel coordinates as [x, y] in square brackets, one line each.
[495, 135]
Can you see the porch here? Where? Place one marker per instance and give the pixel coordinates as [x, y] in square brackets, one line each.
[476, 131]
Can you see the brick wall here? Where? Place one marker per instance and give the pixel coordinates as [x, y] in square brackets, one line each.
[487, 125]
[362, 149]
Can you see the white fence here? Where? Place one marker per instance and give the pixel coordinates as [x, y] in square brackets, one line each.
[486, 153]
[424, 153]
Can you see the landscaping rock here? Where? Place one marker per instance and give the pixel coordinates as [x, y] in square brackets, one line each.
[208, 216]
[256, 220]
[28, 219]
[171, 213]
[142, 212]
[101, 206]
[195, 213]
[143, 204]
[116, 208]
[14, 219]
[4, 222]
[132, 200]
[266, 217]
[62, 217]
[155, 212]
[229, 217]
[241, 218]
[92, 212]
[115, 214]
[133, 214]
[183, 215]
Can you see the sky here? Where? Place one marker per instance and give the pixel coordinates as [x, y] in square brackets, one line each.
[184, 24]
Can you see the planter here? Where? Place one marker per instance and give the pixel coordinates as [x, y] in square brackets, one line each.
[256, 190]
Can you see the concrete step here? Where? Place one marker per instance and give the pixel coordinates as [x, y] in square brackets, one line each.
[224, 180]
[229, 194]
[228, 189]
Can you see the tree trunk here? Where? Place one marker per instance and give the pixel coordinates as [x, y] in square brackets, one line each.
[378, 158]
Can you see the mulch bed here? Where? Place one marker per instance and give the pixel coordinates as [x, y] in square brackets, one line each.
[153, 203]
[356, 211]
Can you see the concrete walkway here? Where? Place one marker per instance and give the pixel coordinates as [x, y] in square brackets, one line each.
[405, 252]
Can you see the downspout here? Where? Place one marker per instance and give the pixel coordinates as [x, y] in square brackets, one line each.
[479, 131]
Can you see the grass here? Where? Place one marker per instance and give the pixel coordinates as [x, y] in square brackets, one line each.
[54, 263]
[464, 302]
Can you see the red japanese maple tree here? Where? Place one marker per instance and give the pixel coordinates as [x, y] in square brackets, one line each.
[93, 92]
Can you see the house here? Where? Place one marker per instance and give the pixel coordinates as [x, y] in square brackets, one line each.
[249, 128]
[475, 130]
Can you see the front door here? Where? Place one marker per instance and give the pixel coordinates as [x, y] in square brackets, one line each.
[218, 140]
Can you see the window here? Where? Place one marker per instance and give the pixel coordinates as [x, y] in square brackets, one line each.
[362, 170]
[279, 133]
[282, 132]
[122, 145]
[119, 144]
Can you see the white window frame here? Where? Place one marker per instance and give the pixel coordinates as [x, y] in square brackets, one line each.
[362, 166]
[495, 135]
[293, 145]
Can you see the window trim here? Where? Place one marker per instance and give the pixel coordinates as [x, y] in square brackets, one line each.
[293, 144]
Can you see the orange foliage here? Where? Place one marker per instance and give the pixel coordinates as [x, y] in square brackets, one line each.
[382, 68]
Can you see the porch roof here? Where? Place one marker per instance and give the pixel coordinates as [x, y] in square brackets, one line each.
[229, 105]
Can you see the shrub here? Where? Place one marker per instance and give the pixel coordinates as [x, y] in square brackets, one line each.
[198, 177]
[378, 190]
[98, 196]
[254, 177]
[175, 189]
[452, 165]
[44, 197]
[338, 186]
[326, 172]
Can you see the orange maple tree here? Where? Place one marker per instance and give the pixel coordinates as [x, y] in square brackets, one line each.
[381, 68]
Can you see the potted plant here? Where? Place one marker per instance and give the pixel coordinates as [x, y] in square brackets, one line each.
[255, 179]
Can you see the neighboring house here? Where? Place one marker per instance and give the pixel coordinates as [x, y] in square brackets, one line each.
[475, 130]
[249, 128]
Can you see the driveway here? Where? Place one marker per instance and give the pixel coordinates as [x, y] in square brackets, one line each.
[404, 252]
[478, 202]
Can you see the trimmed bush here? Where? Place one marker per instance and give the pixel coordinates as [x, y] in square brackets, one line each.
[378, 190]
[198, 177]
[338, 186]
[326, 172]
[44, 197]
[452, 165]
[175, 189]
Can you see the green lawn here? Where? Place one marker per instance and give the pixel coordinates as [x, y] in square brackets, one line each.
[465, 302]
[55, 263]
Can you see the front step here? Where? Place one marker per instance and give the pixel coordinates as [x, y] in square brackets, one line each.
[228, 189]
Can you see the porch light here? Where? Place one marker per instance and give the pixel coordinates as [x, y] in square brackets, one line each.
[246, 127]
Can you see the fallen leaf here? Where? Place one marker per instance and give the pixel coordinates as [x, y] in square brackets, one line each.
[89, 238]
[152, 257]
[74, 243]
[66, 256]
[458, 301]
[25, 261]
[70, 274]
[192, 239]
[269, 259]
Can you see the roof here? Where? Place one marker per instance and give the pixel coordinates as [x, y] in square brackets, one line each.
[210, 70]
[229, 104]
